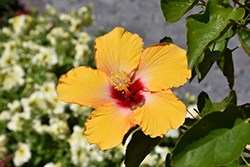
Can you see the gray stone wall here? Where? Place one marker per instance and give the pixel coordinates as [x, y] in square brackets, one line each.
[145, 18]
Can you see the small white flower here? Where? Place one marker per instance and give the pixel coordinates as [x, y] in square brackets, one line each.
[16, 123]
[150, 160]
[79, 156]
[81, 151]
[39, 127]
[12, 77]
[41, 28]
[57, 106]
[64, 17]
[173, 133]
[191, 111]
[3, 149]
[46, 57]
[84, 36]
[31, 45]
[47, 87]
[75, 25]
[58, 128]
[79, 110]
[50, 9]
[52, 164]
[5, 115]
[7, 31]
[81, 54]
[95, 154]
[82, 10]
[34, 102]
[78, 137]
[22, 154]
[15, 106]
[9, 55]
[163, 151]
[20, 23]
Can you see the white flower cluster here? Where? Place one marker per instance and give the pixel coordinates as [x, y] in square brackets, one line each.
[82, 153]
[34, 51]
[22, 154]
[3, 149]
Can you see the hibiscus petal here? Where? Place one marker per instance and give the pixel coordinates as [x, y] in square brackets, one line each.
[107, 125]
[84, 86]
[163, 66]
[161, 111]
[118, 49]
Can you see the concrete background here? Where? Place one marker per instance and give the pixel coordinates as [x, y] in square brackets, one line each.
[145, 18]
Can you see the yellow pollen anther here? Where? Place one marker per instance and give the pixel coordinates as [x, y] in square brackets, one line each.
[120, 80]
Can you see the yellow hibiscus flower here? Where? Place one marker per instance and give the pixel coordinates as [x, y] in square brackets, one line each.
[130, 87]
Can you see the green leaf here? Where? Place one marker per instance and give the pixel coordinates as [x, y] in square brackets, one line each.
[234, 164]
[244, 36]
[216, 140]
[128, 133]
[231, 98]
[203, 29]
[173, 10]
[168, 160]
[212, 54]
[246, 108]
[138, 148]
[166, 39]
[204, 103]
[205, 62]
[227, 67]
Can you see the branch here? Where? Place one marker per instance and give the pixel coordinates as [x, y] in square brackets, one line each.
[204, 2]
[242, 5]
[243, 26]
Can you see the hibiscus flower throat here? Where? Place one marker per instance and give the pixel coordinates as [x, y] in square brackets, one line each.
[128, 94]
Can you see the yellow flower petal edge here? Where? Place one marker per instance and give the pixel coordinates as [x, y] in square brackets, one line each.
[107, 125]
[84, 86]
[163, 66]
[118, 49]
[162, 111]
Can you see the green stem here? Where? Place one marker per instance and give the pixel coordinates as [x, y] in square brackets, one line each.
[243, 158]
[244, 22]
[236, 48]
[241, 25]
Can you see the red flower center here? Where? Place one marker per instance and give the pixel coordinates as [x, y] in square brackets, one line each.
[131, 97]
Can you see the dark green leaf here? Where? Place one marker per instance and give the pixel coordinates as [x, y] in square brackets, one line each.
[173, 10]
[166, 39]
[234, 164]
[204, 103]
[189, 121]
[168, 160]
[127, 134]
[205, 62]
[216, 140]
[138, 148]
[203, 29]
[227, 67]
[230, 99]
[244, 36]
[212, 54]
[246, 108]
